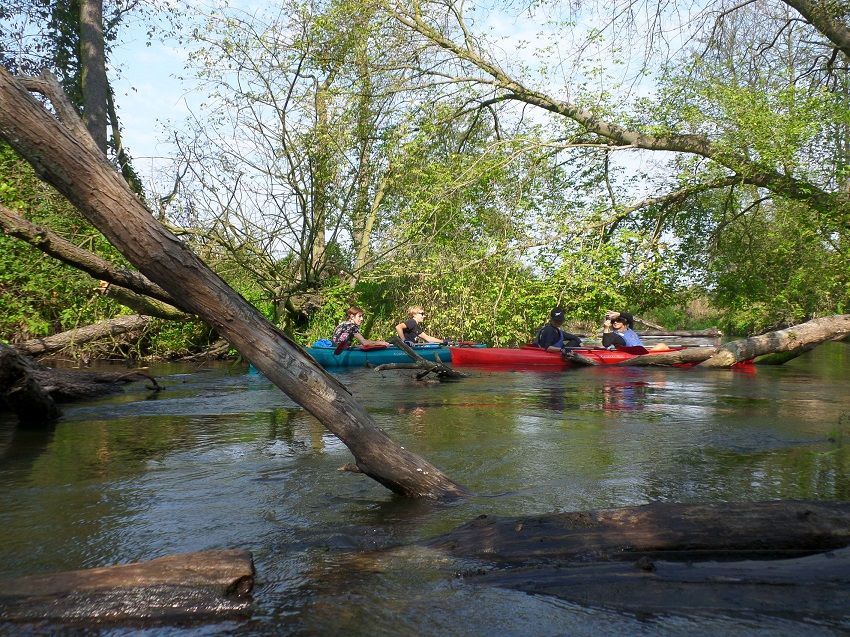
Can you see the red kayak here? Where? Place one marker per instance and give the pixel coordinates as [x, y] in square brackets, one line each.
[531, 356]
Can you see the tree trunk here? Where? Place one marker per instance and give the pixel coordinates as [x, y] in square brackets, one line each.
[104, 198]
[93, 70]
[110, 327]
[812, 333]
[186, 586]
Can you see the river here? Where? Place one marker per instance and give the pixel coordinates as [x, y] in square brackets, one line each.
[221, 458]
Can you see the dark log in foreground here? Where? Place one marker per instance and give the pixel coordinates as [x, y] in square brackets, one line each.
[661, 530]
[815, 585]
[63, 155]
[762, 556]
[443, 372]
[186, 586]
[117, 326]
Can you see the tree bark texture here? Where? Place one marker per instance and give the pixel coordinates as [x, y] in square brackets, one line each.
[185, 586]
[93, 70]
[89, 182]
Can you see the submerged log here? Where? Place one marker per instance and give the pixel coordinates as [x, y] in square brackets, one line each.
[443, 372]
[185, 586]
[661, 530]
[811, 585]
[64, 156]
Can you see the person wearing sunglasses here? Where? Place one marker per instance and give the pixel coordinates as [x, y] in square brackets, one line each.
[618, 330]
[411, 330]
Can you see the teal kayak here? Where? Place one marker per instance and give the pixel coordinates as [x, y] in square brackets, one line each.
[356, 357]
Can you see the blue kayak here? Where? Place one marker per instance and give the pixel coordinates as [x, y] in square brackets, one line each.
[357, 357]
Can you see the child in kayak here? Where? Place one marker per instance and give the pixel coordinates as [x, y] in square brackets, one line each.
[349, 330]
[411, 330]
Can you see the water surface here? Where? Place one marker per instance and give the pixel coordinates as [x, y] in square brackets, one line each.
[221, 458]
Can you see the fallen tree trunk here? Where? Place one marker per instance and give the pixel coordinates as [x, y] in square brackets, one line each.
[676, 357]
[186, 586]
[811, 585]
[781, 345]
[65, 157]
[110, 327]
[811, 333]
[659, 531]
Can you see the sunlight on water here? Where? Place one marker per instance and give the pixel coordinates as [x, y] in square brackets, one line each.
[222, 458]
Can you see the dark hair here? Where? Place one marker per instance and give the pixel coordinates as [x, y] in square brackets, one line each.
[627, 319]
[354, 311]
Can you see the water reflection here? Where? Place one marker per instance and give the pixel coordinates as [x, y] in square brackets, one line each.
[222, 458]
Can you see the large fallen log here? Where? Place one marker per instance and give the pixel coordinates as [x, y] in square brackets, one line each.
[661, 531]
[783, 345]
[186, 586]
[109, 328]
[816, 585]
[793, 338]
[64, 155]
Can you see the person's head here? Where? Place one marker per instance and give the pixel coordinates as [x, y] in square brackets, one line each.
[619, 324]
[557, 315]
[355, 314]
[416, 312]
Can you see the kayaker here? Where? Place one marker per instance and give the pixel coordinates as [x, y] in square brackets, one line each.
[411, 330]
[618, 330]
[551, 337]
[349, 330]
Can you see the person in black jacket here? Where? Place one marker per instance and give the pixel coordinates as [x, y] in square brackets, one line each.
[551, 337]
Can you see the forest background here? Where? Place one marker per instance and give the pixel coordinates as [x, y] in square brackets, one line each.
[688, 162]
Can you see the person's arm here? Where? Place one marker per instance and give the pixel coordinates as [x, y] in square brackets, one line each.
[365, 341]
[429, 339]
[613, 338]
[548, 337]
[399, 329]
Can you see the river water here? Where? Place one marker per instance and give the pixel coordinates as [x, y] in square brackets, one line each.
[221, 458]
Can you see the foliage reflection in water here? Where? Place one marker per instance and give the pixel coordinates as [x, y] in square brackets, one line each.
[223, 459]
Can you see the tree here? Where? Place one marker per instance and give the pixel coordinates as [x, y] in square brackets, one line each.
[733, 125]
